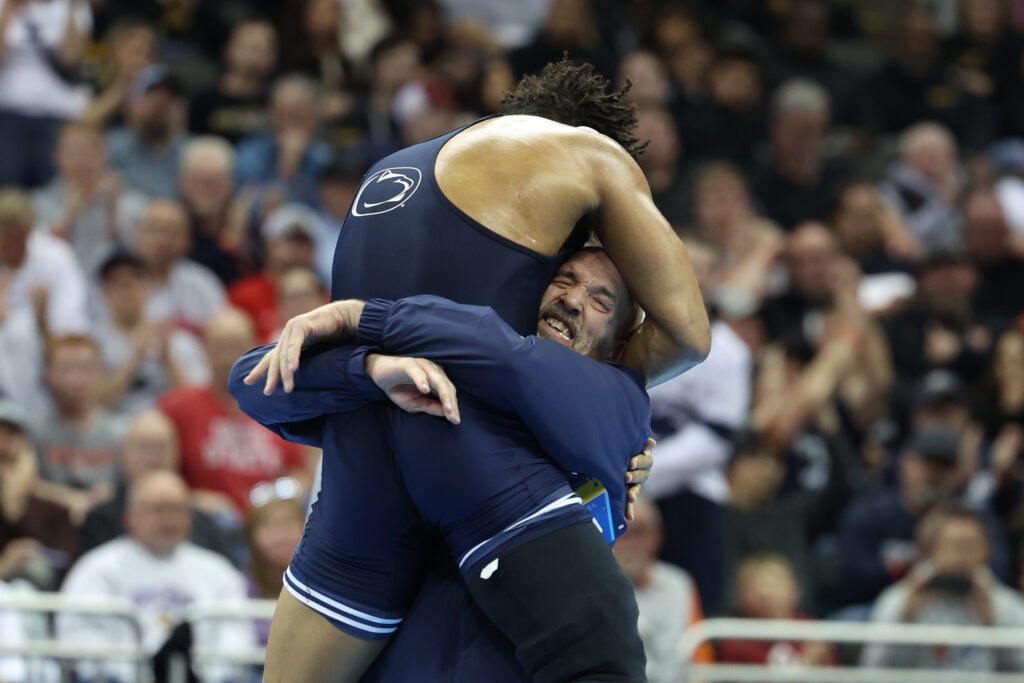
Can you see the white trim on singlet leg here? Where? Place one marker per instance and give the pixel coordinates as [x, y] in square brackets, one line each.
[303, 592]
[564, 501]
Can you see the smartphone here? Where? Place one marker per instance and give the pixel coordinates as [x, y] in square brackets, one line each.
[958, 585]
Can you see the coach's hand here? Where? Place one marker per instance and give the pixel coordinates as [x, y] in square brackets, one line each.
[416, 385]
[336, 321]
[639, 469]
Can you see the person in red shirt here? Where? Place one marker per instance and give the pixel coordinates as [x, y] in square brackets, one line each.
[224, 453]
[767, 589]
[288, 235]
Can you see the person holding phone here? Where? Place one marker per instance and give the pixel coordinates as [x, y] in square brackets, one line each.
[951, 585]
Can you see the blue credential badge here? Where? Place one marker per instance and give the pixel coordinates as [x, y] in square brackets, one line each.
[595, 498]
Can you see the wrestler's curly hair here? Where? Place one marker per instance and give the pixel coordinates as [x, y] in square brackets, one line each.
[577, 95]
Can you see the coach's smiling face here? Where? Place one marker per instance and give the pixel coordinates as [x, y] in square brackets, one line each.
[587, 307]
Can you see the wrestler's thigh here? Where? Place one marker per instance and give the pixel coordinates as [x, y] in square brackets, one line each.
[304, 647]
[359, 563]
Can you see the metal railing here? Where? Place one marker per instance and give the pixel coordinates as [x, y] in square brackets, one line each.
[50, 648]
[842, 632]
[56, 649]
[230, 609]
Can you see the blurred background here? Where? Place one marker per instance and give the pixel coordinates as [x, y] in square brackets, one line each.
[848, 176]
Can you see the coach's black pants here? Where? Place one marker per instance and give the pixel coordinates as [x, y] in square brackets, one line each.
[567, 607]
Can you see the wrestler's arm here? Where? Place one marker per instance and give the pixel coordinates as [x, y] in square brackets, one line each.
[589, 417]
[331, 379]
[654, 264]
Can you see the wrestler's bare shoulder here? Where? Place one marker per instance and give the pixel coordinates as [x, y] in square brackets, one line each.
[531, 135]
[526, 178]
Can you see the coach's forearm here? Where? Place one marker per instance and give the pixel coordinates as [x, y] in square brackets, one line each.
[330, 379]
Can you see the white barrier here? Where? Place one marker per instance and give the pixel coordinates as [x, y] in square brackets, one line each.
[841, 632]
[230, 609]
[51, 648]
[120, 608]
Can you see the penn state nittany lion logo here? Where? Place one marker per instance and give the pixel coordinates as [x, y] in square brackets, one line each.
[386, 190]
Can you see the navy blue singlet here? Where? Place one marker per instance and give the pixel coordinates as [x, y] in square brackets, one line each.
[359, 561]
[403, 237]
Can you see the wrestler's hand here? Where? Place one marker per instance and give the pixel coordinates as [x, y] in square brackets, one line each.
[336, 321]
[639, 469]
[416, 385]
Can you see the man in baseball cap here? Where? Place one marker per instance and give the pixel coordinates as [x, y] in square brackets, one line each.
[146, 150]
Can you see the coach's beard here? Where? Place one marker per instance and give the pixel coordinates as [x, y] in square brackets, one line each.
[558, 324]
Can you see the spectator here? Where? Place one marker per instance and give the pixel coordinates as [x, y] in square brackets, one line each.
[86, 203]
[45, 278]
[666, 595]
[312, 47]
[290, 155]
[183, 292]
[747, 247]
[767, 589]
[370, 128]
[951, 585]
[237, 107]
[981, 53]
[762, 518]
[648, 78]
[800, 182]
[570, 26]
[216, 216]
[422, 21]
[37, 538]
[503, 26]
[925, 184]
[730, 123]
[21, 367]
[941, 399]
[40, 54]
[223, 452]
[660, 163]
[147, 150]
[877, 529]
[288, 235]
[802, 52]
[914, 84]
[131, 47]
[496, 78]
[273, 528]
[1000, 270]
[822, 305]
[938, 327]
[78, 440]
[869, 231]
[161, 573]
[681, 42]
[813, 261]
[695, 418]
[142, 359]
[298, 290]
[151, 445]
[1002, 400]
[339, 183]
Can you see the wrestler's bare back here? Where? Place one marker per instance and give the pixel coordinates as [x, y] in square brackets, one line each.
[526, 178]
[530, 180]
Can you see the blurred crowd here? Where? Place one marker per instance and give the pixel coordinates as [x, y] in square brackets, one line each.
[848, 177]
